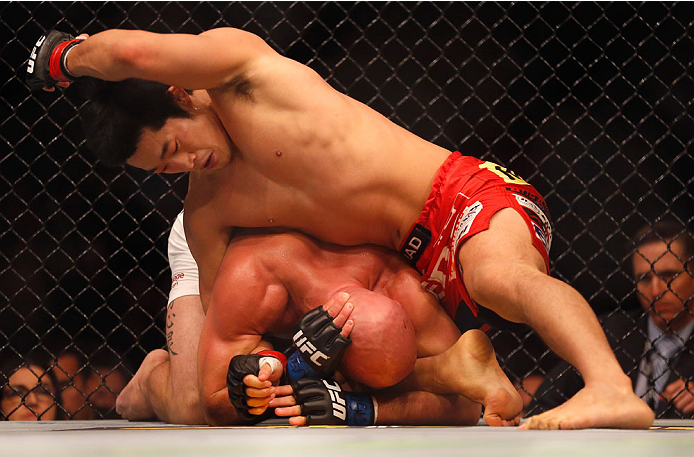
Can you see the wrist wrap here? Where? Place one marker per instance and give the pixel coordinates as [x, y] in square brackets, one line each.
[47, 61]
[58, 68]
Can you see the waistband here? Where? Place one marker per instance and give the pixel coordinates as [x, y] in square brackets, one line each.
[419, 237]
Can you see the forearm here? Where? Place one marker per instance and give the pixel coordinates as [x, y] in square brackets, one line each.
[217, 405]
[111, 55]
[210, 59]
[180, 401]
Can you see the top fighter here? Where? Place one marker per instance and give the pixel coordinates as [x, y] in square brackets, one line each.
[268, 142]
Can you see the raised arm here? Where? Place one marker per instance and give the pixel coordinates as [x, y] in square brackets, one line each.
[204, 61]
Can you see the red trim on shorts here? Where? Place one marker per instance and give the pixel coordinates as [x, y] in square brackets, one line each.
[466, 193]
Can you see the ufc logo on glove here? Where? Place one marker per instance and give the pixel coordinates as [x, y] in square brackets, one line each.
[339, 404]
[305, 346]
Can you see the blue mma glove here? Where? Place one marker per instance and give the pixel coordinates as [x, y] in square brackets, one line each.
[323, 402]
[319, 347]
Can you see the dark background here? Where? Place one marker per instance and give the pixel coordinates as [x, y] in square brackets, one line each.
[589, 102]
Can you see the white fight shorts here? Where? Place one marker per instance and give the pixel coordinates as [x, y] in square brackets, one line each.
[184, 270]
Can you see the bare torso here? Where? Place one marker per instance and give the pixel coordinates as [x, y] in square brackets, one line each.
[311, 272]
[310, 158]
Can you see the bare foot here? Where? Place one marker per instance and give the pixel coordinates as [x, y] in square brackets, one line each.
[600, 405]
[133, 402]
[471, 364]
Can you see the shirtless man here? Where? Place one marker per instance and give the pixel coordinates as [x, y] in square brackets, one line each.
[272, 280]
[268, 143]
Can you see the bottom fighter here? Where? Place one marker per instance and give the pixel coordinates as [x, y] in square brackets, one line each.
[398, 330]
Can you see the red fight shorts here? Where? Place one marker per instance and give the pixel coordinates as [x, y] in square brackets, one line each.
[465, 194]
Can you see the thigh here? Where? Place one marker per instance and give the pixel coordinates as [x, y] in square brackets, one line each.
[507, 241]
[496, 262]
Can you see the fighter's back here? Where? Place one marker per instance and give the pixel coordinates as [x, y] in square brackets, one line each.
[311, 271]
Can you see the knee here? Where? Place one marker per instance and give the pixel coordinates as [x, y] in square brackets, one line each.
[152, 361]
[383, 349]
[502, 278]
[487, 281]
[503, 287]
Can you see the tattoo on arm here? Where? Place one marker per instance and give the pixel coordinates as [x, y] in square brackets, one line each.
[169, 329]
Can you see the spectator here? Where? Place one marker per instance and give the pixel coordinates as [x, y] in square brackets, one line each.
[73, 375]
[30, 393]
[105, 383]
[658, 356]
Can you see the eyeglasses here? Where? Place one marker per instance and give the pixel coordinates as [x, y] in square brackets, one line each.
[20, 392]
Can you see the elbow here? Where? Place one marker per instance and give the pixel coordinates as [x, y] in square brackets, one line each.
[116, 51]
[129, 53]
[131, 59]
[259, 43]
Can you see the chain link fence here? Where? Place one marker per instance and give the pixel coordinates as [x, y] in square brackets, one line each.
[589, 102]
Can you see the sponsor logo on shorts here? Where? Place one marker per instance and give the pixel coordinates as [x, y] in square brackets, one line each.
[416, 242]
[465, 221]
[509, 176]
[435, 282]
[444, 271]
[532, 196]
[539, 219]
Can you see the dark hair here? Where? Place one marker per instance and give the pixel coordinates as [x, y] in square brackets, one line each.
[83, 370]
[12, 366]
[115, 113]
[667, 231]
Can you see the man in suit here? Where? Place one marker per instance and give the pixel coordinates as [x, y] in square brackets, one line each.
[655, 347]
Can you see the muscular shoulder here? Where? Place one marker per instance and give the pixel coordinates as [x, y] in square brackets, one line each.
[200, 208]
[246, 281]
[271, 249]
[398, 277]
[272, 79]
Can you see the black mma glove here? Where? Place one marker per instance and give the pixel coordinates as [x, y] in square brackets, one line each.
[318, 347]
[323, 402]
[46, 64]
[239, 367]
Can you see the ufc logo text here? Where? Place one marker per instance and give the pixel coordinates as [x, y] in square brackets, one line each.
[305, 346]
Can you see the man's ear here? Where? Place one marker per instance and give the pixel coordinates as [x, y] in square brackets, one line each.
[182, 97]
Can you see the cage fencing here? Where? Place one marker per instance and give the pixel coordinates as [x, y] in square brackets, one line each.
[590, 102]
